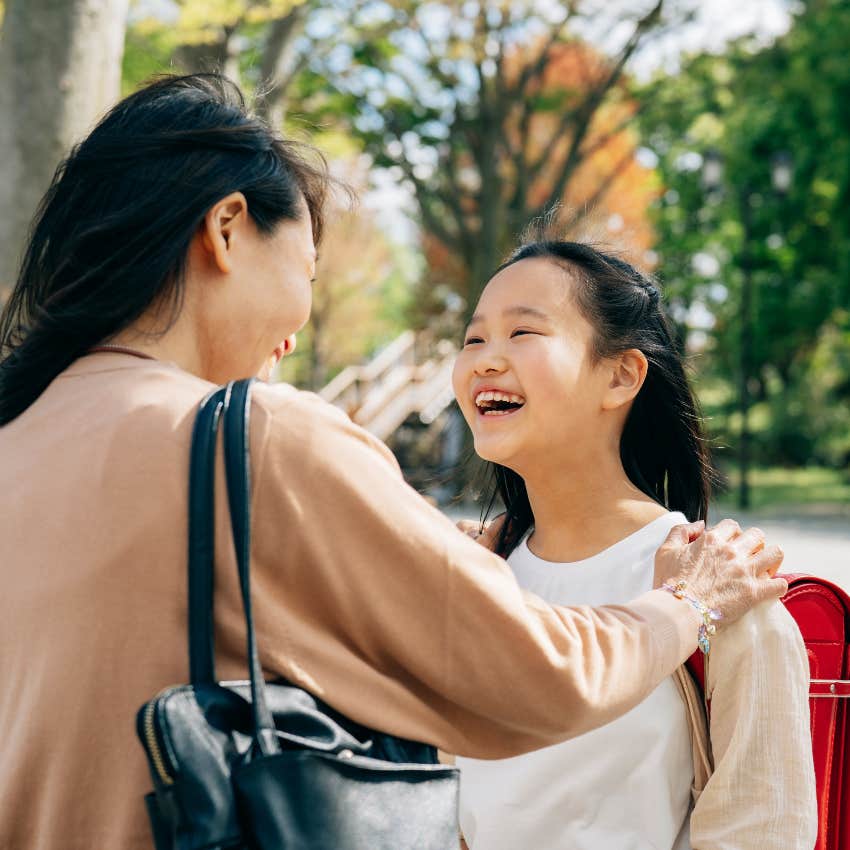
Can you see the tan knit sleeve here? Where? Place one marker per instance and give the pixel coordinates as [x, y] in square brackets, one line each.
[372, 599]
[761, 795]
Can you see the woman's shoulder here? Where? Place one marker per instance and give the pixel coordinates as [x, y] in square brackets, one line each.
[285, 414]
[276, 400]
[284, 407]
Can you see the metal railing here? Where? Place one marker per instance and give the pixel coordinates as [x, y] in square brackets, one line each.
[411, 375]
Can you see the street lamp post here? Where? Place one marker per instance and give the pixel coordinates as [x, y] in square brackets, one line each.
[746, 347]
[782, 176]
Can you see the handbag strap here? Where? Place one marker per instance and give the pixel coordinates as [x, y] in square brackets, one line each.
[231, 405]
[237, 464]
[202, 539]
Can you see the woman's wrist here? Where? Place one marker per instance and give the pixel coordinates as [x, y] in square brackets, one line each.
[674, 628]
[709, 616]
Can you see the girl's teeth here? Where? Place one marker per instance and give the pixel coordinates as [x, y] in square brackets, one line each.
[492, 395]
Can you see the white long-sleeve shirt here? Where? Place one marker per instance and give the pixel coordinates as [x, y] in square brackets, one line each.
[761, 793]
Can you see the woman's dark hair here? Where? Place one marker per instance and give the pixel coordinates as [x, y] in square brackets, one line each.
[110, 237]
[662, 447]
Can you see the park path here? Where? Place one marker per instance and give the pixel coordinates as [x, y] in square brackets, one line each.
[814, 540]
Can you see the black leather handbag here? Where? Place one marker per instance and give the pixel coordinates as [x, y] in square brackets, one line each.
[267, 766]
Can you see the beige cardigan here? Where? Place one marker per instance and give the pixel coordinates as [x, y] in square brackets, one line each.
[363, 594]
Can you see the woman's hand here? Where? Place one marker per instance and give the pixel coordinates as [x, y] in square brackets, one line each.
[285, 348]
[487, 534]
[724, 567]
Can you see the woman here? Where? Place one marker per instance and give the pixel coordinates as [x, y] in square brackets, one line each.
[575, 391]
[174, 251]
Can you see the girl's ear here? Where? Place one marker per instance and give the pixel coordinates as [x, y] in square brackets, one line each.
[628, 372]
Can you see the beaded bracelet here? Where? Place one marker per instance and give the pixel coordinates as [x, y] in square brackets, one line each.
[707, 629]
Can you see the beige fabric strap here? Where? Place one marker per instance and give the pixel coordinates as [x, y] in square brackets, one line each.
[698, 726]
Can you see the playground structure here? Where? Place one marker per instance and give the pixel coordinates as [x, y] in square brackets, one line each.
[409, 377]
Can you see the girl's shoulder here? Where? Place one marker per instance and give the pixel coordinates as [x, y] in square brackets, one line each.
[764, 638]
[768, 621]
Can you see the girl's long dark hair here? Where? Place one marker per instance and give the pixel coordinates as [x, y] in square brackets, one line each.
[662, 448]
[110, 237]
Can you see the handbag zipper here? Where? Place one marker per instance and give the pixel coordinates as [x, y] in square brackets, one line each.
[158, 757]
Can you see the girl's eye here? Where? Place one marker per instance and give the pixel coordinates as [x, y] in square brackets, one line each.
[520, 332]
[473, 340]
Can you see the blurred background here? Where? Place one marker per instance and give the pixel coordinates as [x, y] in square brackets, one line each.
[708, 142]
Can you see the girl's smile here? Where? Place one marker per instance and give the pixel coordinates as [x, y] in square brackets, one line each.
[494, 402]
[525, 380]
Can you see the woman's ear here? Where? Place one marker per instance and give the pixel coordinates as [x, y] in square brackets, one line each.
[628, 372]
[221, 226]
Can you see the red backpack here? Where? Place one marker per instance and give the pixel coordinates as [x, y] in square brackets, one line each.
[822, 612]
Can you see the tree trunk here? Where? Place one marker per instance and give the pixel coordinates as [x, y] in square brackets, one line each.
[221, 57]
[60, 62]
[279, 64]
[488, 239]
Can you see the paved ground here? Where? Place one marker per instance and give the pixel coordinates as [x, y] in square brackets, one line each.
[815, 540]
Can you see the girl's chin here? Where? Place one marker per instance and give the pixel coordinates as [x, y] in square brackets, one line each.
[501, 455]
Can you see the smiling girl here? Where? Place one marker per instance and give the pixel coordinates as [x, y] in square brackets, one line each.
[575, 391]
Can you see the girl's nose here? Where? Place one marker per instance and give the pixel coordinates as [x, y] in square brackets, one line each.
[489, 362]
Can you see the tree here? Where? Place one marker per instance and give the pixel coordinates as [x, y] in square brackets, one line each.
[259, 44]
[60, 62]
[788, 249]
[492, 113]
[360, 297]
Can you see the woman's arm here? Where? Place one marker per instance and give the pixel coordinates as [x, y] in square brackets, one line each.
[374, 601]
[761, 795]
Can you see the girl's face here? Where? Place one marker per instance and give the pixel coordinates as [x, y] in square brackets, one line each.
[525, 380]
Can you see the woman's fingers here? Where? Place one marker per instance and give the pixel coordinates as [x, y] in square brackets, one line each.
[768, 561]
[750, 541]
[726, 568]
[672, 555]
[487, 535]
[694, 530]
[681, 535]
[724, 531]
[776, 588]
[470, 527]
[490, 535]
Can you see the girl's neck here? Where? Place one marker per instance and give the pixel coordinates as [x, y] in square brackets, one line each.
[582, 509]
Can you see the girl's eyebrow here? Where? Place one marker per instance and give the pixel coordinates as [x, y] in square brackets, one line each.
[519, 310]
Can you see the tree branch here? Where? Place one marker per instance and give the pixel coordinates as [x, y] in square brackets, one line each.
[534, 70]
[425, 198]
[601, 190]
[278, 64]
[211, 55]
[455, 196]
[602, 140]
[586, 112]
